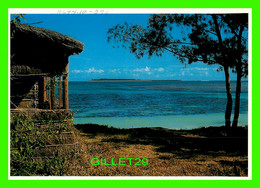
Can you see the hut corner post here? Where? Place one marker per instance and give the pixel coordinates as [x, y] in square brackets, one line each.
[53, 100]
[42, 91]
[66, 88]
[60, 97]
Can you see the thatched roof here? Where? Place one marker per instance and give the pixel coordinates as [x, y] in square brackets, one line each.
[47, 36]
[23, 69]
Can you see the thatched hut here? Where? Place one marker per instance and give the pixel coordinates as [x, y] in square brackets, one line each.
[39, 67]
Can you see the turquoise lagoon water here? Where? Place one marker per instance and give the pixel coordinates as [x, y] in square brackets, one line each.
[170, 104]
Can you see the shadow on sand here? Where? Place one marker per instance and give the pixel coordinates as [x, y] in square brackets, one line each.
[186, 144]
[183, 144]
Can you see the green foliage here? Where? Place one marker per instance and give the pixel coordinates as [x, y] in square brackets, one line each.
[212, 39]
[18, 17]
[54, 80]
[189, 37]
[26, 139]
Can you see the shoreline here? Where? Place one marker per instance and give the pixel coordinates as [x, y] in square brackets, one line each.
[139, 80]
[170, 121]
[210, 131]
[125, 80]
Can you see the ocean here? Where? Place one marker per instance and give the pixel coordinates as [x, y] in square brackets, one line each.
[169, 104]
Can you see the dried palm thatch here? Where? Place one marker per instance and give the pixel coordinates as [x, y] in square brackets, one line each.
[47, 36]
[24, 69]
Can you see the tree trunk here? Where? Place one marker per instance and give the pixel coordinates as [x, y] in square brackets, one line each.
[226, 70]
[237, 100]
[239, 76]
[229, 98]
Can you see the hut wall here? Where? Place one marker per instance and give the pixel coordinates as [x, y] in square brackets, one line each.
[24, 93]
[39, 92]
[36, 53]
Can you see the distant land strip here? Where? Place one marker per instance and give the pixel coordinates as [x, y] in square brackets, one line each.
[106, 79]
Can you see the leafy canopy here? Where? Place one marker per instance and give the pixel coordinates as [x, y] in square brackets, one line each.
[189, 37]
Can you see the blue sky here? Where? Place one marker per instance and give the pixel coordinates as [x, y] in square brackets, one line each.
[100, 60]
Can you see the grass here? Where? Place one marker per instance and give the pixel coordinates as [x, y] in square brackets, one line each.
[213, 151]
[56, 148]
[40, 148]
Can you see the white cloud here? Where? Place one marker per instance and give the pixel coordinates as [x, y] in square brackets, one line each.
[90, 70]
[93, 70]
[201, 69]
[159, 69]
[76, 71]
[115, 71]
[195, 68]
[146, 69]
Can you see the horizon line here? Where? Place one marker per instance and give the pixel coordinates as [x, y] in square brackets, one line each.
[132, 79]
